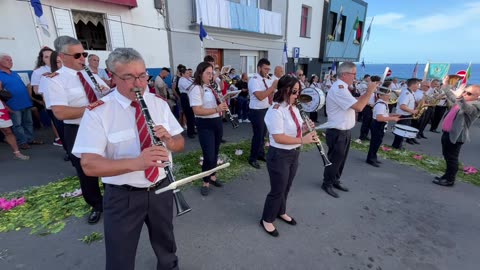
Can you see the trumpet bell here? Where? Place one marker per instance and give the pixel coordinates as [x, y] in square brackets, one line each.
[453, 79]
[304, 98]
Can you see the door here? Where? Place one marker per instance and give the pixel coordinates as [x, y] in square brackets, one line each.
[217, 54]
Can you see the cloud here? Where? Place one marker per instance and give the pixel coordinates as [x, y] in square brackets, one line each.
[387, 19]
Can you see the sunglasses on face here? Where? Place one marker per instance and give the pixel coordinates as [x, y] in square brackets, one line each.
[78, 55]
[468, 93]
[294, 92]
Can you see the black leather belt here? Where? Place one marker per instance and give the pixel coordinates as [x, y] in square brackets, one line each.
[132, 188]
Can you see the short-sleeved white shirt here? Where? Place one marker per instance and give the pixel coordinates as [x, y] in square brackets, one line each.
[419, 95]
[380, 108]
[204, 97]
[38, 74]
[279, 120]
[339, 102]
[258, 83]
[110, 130]
[407, 98]
[185, 85]
[43, 89]
[65, 89]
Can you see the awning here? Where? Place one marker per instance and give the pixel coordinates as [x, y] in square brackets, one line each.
[129, 3]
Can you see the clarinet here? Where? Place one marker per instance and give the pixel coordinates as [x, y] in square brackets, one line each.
[305, 118]
[95, 83]
[180, 203]
[221, 100]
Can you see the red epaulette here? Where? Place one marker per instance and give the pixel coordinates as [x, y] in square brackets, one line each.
[158, 96]
[51, 75]
[276, 106]
[95, 104]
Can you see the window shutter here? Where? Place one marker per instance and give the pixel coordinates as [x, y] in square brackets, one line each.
[63, 22]
[115, 31]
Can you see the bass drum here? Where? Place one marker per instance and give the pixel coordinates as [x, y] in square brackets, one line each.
[318, 99]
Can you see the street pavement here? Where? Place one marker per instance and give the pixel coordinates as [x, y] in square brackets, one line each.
[393, 218]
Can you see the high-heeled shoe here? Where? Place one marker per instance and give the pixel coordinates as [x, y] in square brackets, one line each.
[273, 233]
[291, 222]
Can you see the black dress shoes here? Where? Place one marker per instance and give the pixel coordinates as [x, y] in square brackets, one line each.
[434, 131]
[216, 183]
[254, 164]
[422, 136]
[409, 141]
[262, 159]
[415, 141]
[439, 177]
[94, 217]
[329, 190]
[204, 191]
[191, 136]
[373, 163]
[444, 182]
[340, 187]
[291, 222]
[273, 233]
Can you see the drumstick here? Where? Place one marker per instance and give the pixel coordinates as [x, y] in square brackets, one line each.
[189, 179]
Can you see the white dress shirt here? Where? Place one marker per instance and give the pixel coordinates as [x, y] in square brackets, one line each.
[406, 98]
[110, 130]
[185, 85]
[38, 74]
[65, 89]
[339, 102]
[279, 120]
[380, 108]
[204, 97]
[256, 83]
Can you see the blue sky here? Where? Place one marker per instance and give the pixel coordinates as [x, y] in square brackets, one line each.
[407, 31]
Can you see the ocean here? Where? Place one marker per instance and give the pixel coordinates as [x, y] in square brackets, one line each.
[405, 71]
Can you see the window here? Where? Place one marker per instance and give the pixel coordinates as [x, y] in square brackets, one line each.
[248, 64]
[336, 27]
[305, 22]
[358, 34]
[332, 22]
[250, 3]
[90, 30]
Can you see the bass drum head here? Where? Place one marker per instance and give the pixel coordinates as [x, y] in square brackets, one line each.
[318, 99]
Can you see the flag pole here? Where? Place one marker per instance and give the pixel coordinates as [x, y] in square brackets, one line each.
[364, 40]
[37, 27]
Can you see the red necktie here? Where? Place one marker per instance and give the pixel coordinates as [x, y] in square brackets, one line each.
[88, 89]
[299, 129]
[151, 173]
[270, 97]
[216, 98]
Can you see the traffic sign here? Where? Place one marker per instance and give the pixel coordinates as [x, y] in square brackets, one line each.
[296, 52]
[389, 72]
[461, 73]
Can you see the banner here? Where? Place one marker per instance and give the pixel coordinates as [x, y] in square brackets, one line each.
[437, 70]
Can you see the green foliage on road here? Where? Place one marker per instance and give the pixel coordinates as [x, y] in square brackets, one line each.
[93, 237]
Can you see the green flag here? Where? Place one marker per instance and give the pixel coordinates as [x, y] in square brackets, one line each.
[437, 70]
[356, 24]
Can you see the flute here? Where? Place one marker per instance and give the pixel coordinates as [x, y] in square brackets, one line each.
[319, 145]
[180, 203]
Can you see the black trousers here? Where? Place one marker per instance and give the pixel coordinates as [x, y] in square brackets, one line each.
[425, 119]
[89, 184]
[378, 131]
[450, 152]
[282, 166]
[257, 117]
[367, 116]
[398, 140]
[187, 110]
[125, 213]
[58, 124]
[210, 132]
[437, 116]
[314, 116]
[338, 142]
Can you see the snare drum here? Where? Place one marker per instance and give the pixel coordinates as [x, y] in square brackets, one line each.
[318, 99]
[405, 131]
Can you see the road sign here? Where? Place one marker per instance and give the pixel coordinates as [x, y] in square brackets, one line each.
[296, 52]
[389, 73]
[461, 73]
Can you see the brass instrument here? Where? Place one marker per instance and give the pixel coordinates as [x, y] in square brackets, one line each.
[453, 80]
[180, 203]
[425, 102]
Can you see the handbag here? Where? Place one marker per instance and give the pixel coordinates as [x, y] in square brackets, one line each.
[5, 95]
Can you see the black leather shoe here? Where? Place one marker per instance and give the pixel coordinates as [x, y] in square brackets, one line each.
[340, 187]
[422, 136]
[434, 131]
[444, 182]
[373, 163]
[415, 141]
[216, 183]
[378, 161]
[94, 217]
[254, 164]
[204, 191]
[66, 157]
[409, 141]
[273, 233]
[329, 190]
[439, 177]
[291, 222]
[262, 159]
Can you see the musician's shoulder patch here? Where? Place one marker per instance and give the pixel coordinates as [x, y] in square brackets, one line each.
[340, 86]
[276, 106]
[408, 93]
[95, 104]
[255, 77]
[51, 75]
[158, 96]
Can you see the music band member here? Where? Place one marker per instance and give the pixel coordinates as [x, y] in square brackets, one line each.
[70, 91]
[455, 127]
[367, 112]
[341, 108]
[185, 84]
[380, 116]
[114, 142]
[260, 87]
[285, 126]
[207, 108]
[406, 104]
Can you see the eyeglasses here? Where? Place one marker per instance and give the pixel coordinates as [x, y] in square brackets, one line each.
[351, 73]
[468, 93]
[301, 75]
[131, 79]
[78, 55]
[294, 92]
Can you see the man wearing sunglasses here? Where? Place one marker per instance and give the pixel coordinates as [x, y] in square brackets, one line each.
[455, 127]
[70, 91]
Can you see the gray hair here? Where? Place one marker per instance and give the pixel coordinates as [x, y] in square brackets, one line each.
[345, 67]
[123, 56]
[92, 55]
[2, 55]
[62, 42]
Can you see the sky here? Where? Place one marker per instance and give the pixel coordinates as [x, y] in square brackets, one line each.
[410, 31]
